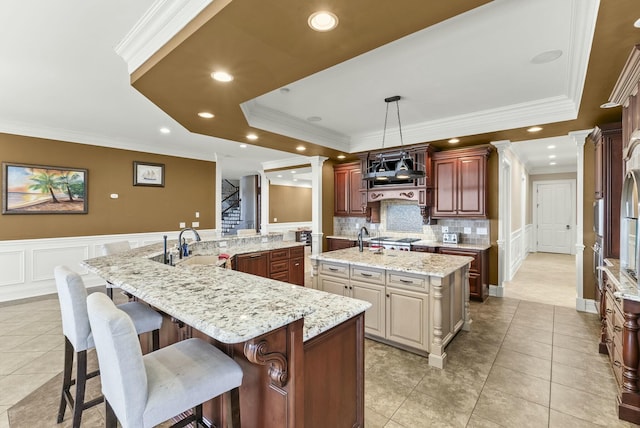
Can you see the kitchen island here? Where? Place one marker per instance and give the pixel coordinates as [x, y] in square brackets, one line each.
[419, 301]
[301, 350]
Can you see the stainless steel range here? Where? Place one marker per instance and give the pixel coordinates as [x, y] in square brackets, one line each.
[401, 244]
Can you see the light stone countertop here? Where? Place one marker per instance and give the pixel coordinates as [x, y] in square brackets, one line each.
[626, 288]
[229, 306]
[424, 242]
[432, 264]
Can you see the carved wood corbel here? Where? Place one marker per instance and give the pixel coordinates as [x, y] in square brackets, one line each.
[258, 353]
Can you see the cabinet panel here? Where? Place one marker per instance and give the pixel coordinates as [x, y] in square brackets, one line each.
[341, 192]
[374, 317]
[406, 317]
[371, 275]
[296, 271]
[280, 276]
[445, 187]
[347, 195]
[281, 254]
[356, 207]
[279, 266]
[333, 285]
[253, 263]
[471, 192]
[334, 269]
[339, 244]
[478, 271]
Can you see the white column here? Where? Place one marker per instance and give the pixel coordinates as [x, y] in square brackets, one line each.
[218, 201]
[316, 203]
[503, 200]
[579, 137]
[264, 203]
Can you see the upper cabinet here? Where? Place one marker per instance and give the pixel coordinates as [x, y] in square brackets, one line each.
[460, 178]
[347, 184]
[625, 93]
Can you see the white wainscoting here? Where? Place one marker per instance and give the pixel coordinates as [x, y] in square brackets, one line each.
[26, 266]
[529, 240]
[516, 247]
[288, 229]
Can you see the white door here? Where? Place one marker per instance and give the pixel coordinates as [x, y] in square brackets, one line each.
[555, 217]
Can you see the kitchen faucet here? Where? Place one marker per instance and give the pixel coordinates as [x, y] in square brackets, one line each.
[360, 243]
[195, 233]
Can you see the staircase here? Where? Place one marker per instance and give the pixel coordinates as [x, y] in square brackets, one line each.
[230, 207]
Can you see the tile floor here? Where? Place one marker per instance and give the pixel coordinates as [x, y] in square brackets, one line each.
[524, 364]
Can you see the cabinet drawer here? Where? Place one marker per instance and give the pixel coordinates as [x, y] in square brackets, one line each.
[616, 364]
[370, 275]
[280, 276]
[279, 266]
[281, 254]
[297, 251]
[406, 280]
[470, 253]
[334, 269]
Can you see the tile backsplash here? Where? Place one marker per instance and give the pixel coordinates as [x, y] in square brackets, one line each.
[404, 220]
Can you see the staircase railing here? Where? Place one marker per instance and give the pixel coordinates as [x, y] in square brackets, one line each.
[232, 200]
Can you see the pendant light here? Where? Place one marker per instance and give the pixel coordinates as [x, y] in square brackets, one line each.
[404, 170]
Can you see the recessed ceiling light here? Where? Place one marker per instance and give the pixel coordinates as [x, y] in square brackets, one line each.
[301, 148]
[295, 179]
[323, 21]
[279, 175]
[546, 57]
[535, 129]
[552, 163]
[243, 146]
[552, 156]
[637, 23]
[165, 130]
[252, 137]
[341, 156]
[551, 146]
[314, 119]
[285, 90]
[293, 171]
[222, 76]
[206, 115]
[609, 105]
[454, 141]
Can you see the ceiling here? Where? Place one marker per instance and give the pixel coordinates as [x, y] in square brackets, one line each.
[463, 68]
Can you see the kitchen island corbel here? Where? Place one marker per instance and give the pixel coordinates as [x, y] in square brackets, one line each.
[419, 301]
[301, 350]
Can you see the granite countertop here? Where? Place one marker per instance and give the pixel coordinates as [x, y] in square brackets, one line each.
[424, 242]
[625, 287]
[432, 264]
[229, 306]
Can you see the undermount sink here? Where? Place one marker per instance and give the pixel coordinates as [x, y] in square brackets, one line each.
[199, 260]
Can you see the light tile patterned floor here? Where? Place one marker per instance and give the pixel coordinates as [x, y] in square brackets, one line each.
[524, 364]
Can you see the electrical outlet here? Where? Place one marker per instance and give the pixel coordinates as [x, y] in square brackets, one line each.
[182, 225]
[197, 214]
[275, 219]
[445, 229]
[195, 224]
[265, 240]
[467, 230]
[481, 231]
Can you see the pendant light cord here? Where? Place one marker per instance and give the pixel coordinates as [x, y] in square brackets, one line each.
[399, 124]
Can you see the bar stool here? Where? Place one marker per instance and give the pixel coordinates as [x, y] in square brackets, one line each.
[109, 249]
[143, 391]
[79, 339]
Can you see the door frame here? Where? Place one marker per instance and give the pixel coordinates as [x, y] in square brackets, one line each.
[574, 225]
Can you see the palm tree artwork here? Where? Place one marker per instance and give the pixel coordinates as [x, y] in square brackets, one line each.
[44, 190]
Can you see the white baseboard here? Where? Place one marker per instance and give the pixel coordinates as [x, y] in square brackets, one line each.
[496, 290]
[587, 305]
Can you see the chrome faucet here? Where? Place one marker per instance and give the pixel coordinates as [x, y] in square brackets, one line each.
[195, 233]
[360, 243]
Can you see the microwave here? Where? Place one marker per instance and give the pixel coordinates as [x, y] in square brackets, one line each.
[598, 217]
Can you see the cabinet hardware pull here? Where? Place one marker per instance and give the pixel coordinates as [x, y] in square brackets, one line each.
[609, 311]
[618, 299]
[345, 287]
[617, 329]
[332, 269]
[254, 256]
[297, 264]
[388, 295]
[608, 340]
[406, 281]
[366, 274]
[617, 363]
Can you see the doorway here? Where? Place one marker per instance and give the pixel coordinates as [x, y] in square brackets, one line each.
[554, 216]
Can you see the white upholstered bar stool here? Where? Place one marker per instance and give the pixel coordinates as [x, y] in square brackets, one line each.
[144, 391]
[79, 338]
[111, 248]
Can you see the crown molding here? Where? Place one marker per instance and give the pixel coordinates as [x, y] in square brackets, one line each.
[163, 20]
[627, 83]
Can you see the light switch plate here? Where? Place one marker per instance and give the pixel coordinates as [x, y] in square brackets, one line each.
[467, 230]
[182, 225]
[445, 229]
[195, 224]
[481, 231]
[197, 214]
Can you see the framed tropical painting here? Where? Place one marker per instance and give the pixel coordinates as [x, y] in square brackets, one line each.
[39, 189]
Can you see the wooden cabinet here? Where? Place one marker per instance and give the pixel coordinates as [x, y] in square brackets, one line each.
[460, 178]
[339, 244]
[347, 184]
[609, 175]
[424, 249]
[283, 264]
[626, 93]
[253, 263]
[478, 271]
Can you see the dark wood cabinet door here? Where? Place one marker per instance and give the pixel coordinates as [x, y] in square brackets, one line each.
[471, 193]
[341, 192]
[356, 206]
[478, 271]
[339, 244]
[296, 271]
[598, 173]
[445, 177]
[253, 263]
[424, 249]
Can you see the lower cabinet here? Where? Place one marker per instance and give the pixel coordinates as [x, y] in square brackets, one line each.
[478, 272]
[284, 264]
[339, 244]
[406, 315]
[253, 263]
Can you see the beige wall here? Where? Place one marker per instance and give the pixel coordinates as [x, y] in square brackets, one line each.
[189, 187]
[289, 203]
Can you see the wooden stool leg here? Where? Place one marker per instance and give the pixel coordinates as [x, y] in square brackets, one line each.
[155, 335]
[234, 395]
[81, 383]
[198, 415]
[110, 292]
[66, 378]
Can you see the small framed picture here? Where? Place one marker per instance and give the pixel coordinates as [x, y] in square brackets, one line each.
[148, 174]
